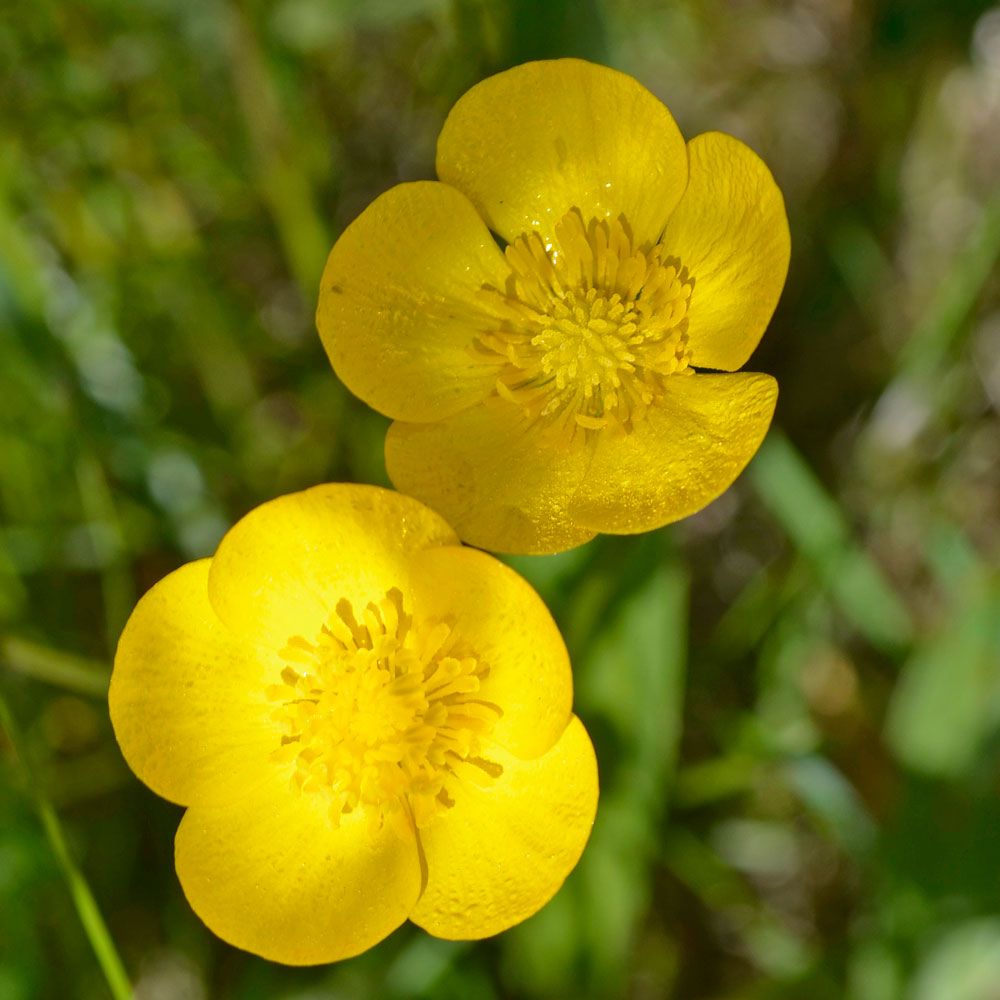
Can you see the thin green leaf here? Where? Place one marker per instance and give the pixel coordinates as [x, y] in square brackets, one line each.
[817, 527]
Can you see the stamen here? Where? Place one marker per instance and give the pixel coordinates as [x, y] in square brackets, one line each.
[591, 327]
[383, 714]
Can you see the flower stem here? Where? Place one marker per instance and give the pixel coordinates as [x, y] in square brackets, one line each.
[86, 906]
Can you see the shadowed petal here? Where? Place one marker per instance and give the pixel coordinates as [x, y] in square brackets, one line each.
[688, 449]
[498, 481]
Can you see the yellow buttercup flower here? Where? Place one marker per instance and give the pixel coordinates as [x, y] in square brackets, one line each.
[367, 722]
[558, 388]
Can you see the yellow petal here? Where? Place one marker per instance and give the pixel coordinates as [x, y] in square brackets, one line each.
[535, 141]
[509, 627]
[503, 850]
[187, 696]
[731, 232]
[400, 302]
[686, 451]
[282, 569]
[488, 471]
[266, 871]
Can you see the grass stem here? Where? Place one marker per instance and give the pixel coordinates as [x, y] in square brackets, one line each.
[86, 906]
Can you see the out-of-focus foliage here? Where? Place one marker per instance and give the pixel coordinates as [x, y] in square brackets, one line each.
[795, 695]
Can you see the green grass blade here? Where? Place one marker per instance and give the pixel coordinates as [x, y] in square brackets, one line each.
[818, 529]
[83, 899]
[934, 340]
[53, 666]
[283, 185]
[944, 707]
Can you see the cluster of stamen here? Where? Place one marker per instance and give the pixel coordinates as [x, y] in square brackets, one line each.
[383, 714]
[591, 325]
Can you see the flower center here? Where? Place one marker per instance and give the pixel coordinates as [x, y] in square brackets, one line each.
[383, 713]
[591, 325]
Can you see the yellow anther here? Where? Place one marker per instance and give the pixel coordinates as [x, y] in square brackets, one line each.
[381, 713]
[593, 325]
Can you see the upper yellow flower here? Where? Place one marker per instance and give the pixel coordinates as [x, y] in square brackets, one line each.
[367, 722]
[553, 390]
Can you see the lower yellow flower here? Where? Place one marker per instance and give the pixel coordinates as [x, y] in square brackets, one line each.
[367, 723]
[584, 378]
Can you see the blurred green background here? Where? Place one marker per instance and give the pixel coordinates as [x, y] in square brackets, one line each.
[795, 695]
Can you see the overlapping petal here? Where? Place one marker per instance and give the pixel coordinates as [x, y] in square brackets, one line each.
[282, 569]
[530, 675]
[529, 144]
[493, 475]
[690, 448]
[265, 868]
[503, 850]
[400, 302]
[731, 232]
[187, 695]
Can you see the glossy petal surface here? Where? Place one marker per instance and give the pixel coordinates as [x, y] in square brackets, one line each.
[529, 144]
[505, 621]
[267, 871]
[311, 743]
[400, 302]
[492, 475]
[281, 570]
[731, 232]
[503, 850]
[186, 694]
[686, 452]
